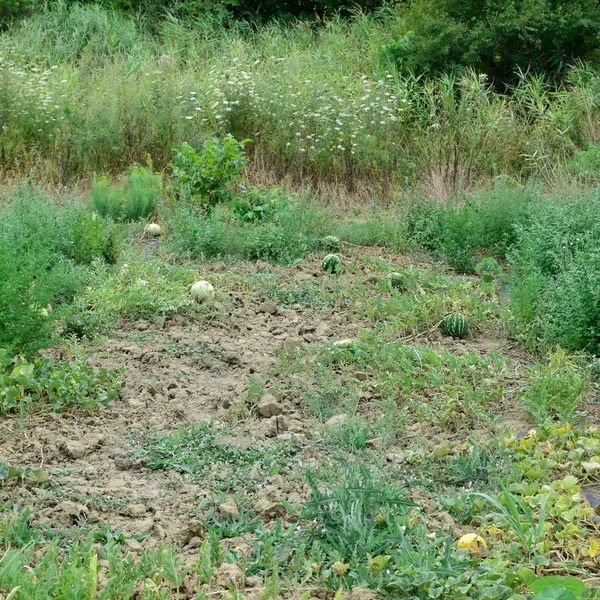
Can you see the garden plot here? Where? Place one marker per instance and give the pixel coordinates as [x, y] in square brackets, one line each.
[233, 425]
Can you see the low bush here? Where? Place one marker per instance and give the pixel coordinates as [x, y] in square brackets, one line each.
[44, 250]
[210, 177]
[139, 287]
[556, 389]
[46, 384]
[500, 37]
[554, 282]
[483, 223]
[290, 234]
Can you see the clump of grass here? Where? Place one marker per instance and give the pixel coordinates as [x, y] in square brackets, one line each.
[556, 389]
[293, 232]
[198, 452]
[135, 198]
[555, 274]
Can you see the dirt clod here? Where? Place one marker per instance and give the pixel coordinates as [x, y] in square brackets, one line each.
[269, 406]
[229, 510]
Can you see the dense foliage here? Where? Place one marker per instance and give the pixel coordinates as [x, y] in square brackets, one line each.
[497, 37]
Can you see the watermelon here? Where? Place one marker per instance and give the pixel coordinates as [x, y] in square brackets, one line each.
[455, 325]
[152, 229]
[332, 243]
[202, 290]
[331, 263]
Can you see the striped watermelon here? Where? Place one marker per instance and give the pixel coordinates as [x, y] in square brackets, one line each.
[331, 263]
[455, 325]
[332, 243]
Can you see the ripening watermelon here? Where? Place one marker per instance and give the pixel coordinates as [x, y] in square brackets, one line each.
[397, 281]
[202, 290]
[455, 325]
[331, 263]
[332, 243]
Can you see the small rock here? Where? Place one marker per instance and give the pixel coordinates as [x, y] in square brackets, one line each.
[133, 546]
[231, 574]
[229, 510]
[67, 513]
[138, 510]
[374, 443]
[295, 425]
[141, 526]
[233, 358]
[268, 503]
[192, 529]
[275, 426]
[135, 402]
[195, 542]
[268, 406]
[123, 464]
[268, 307]
[75, 449]
[361, 375]
[292, 344]
[270, 510]
[322, 330]
[337, 420]
[254, 582]
[141, 325]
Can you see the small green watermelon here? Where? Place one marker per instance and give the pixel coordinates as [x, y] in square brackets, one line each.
[455, 325]
[332, 243]
[331, 263]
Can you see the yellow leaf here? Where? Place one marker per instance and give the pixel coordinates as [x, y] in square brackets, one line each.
[340, 568]
[594, 548]
[338, 594]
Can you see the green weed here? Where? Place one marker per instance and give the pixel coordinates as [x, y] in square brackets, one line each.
[202, 453]
[135, 198]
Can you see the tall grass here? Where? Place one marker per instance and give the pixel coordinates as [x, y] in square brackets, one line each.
[83, 89]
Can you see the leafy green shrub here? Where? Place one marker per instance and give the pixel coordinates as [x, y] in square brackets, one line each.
[485, 222]
[45, 383]
[10, 9]
[134, 199]
[554, 280]
[258, 203]
[210, 177]
[586, 163]
[498, 37]
[42, 249]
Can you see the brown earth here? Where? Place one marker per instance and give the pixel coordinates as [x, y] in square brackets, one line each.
[184, 372]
